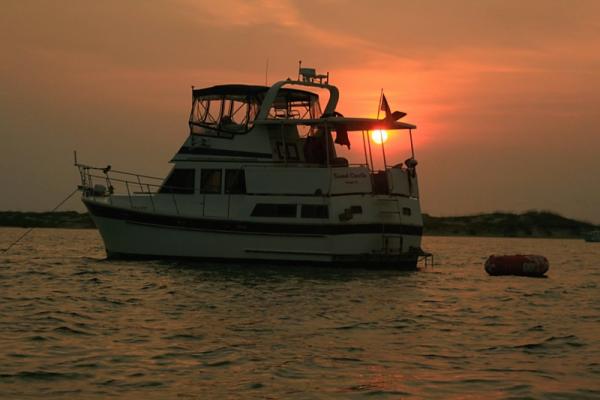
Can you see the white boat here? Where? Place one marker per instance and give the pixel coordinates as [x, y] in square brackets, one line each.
[258, 179]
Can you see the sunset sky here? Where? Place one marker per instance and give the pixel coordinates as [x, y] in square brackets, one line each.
[505, 94]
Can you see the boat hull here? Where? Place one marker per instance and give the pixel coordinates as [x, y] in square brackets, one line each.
[129, 234]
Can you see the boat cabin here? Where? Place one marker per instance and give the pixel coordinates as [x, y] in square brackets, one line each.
[278, 141]
[283, 127]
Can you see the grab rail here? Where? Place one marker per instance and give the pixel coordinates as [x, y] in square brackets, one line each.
[150, 186]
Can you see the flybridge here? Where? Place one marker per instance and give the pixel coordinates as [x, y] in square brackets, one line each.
[231, 109]
[283, 122]
[227, 110]
[236, 107]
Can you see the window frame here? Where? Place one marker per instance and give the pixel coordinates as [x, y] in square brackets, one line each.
[208, 122]
[240, 189]
[172, 189]
[201, 185]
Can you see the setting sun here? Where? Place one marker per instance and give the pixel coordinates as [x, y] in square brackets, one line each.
[379, 136]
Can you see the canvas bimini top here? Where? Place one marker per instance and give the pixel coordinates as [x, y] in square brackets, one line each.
[234, 108]
[251, 91]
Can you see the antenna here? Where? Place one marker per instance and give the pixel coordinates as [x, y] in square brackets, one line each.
[379, 106]
[267, 73]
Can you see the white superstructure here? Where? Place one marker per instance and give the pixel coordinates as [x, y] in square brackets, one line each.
[259, 179]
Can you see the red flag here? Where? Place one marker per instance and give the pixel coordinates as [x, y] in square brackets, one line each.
[341, 136]
[385, 107]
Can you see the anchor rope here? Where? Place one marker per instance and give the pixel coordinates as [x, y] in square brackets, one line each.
[27, 232]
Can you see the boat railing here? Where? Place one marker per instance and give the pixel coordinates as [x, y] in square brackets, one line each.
[105, 183]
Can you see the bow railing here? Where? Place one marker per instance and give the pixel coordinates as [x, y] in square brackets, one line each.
[140, 191]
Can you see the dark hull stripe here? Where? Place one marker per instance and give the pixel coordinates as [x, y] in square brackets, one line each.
[220, 152]
[393, 263]
[106, 211]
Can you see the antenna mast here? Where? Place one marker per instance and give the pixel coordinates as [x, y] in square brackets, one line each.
[267, 73]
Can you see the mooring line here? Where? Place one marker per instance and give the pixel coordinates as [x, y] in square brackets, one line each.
[32, 228]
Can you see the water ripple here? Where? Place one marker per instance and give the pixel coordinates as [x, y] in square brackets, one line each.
[75, 325]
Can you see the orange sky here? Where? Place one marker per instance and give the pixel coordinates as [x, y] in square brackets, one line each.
[506, 94]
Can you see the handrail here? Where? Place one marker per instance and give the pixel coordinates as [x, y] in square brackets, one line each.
[148, 185]
[109, 169]
[128, 181]
[135, 174]
[123, 180]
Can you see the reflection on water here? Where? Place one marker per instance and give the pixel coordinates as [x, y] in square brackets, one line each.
[76, 325]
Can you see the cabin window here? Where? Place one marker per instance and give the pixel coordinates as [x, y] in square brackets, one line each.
[291, 151]
[213, 113]
[223, 114]
[295, 104]
[274, 210]
[181, 181]
[406, 211]
[235, 181]
[210, 181]
[239, 111]
[314, 211]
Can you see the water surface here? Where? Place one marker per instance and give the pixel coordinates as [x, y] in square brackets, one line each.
[74, 325]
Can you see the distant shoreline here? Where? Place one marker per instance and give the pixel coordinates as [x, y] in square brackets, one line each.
[532, 224]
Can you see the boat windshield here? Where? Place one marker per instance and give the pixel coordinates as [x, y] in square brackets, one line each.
[295, 104]
[229, 114]
[232, 109]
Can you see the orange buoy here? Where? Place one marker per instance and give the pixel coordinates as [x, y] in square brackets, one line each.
[522, 265]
